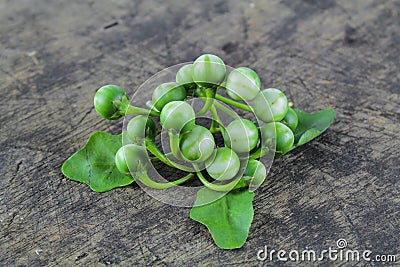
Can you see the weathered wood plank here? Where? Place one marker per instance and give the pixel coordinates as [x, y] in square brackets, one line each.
[345, 184]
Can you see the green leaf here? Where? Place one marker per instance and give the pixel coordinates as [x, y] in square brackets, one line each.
[308, 136]
[94, 164]
[312, 124]
[228, 218]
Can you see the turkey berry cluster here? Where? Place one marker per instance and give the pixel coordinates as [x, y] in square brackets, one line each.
[244, 140]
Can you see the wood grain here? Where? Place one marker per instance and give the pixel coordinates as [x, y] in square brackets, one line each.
[322, 54]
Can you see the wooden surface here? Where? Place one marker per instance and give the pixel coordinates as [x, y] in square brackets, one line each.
[55, 54]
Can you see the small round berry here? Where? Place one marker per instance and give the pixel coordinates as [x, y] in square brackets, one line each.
[243, 84]
[224, 165]
[271, 105]
[208, 70]
[177, 116]
[280, 134]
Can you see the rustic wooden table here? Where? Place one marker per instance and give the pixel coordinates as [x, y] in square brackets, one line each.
[345, 184]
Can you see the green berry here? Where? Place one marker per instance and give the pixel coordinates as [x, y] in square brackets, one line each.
[166, 93]
[177, 116]
[241, 135]
[280, 134]
[109, 100]
[197, 144]
[184, 77]
[141, 127]
[208, 70]
[224, 165]
[257, 171]
[270, 105]
[243, 84]
[291, 120]
[131, 158]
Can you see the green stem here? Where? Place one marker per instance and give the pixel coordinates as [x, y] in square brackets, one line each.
[145, 179]
[174, 145]
[151, 106]
[233, 103]
[131, 110]
[215, 120]
[155, 159]
[215, 115]
[152, 147]
[226, 110]
[259, 153]
[217, 187]
[207, 103]
[213, 128]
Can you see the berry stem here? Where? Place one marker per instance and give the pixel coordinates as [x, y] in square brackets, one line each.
[131, 110]
[233, 103]
[215, 120]
[217, 187]
[145, 179]
[259, 153]
[174, 145]
[226, 110]
[209, 99]
[153, 149]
